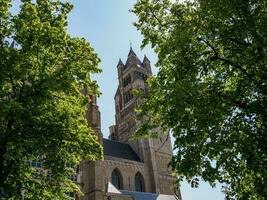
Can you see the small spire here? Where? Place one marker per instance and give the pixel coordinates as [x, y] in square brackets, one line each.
[146, 59]
[130, 44]
[120, 63]
[131, 52]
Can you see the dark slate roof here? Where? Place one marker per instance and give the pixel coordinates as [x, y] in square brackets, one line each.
[148, 196]
[119, 150]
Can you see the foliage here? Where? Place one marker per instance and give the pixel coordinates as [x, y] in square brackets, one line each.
[210, 89]
[42, 114]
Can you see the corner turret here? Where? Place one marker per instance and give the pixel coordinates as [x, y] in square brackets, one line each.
[93, 116]
[146, 64]
[120, 64]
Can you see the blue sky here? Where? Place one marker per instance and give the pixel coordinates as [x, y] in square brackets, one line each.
[107, 25]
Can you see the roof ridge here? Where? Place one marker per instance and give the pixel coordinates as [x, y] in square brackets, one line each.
[115, 141]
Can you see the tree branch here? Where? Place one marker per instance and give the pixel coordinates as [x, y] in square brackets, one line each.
[228, 62]
[154, 15]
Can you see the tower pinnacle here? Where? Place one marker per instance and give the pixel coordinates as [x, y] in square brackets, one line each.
[130, 44]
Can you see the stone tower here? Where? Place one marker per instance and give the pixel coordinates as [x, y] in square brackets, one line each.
[131, 169]
[131, 75]
[89, 170]
[155, 153]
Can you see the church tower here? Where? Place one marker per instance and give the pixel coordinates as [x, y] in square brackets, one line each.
[154, 153]
[131, 169]
[131, 75]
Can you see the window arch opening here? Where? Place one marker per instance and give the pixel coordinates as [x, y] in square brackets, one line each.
[116, 179]
[139, 182]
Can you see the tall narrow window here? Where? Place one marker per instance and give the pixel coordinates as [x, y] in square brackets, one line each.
[127, 80]
[116, 179]
[139, 183]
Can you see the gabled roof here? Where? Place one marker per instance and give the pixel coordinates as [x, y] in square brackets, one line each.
[120, 150]
[148, 196]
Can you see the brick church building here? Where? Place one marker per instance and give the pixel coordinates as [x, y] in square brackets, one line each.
[131, 169]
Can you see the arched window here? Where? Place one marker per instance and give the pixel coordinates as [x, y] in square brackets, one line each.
[139, 183]
[116, 179]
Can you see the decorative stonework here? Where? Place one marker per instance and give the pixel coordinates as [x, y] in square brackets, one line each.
[154, 154]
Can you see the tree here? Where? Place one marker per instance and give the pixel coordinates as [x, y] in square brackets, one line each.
[42, 118]
[211, 89]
